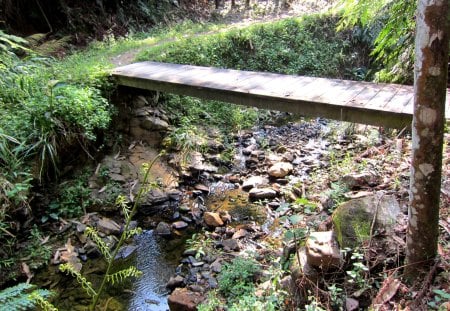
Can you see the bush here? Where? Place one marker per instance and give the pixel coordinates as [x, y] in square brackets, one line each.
[236, 278]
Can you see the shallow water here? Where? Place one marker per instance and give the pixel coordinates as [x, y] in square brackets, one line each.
[157, 258]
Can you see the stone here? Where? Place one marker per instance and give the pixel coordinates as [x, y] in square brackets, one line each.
[202, 188]
[262, 193]
[239, 234]
[174, 282]
[108, 226]
[352, 220]
[216, 266]
[212, 219]
[140, 101]
[225, 216]
[154, 124]
[322, 250]
[126, 251]
[117, 177]
[230, 245]
[179, 225]
[163, 229]
[183, 299]
[360, 180]
[301, 268]
[254, 181]
[280, 169]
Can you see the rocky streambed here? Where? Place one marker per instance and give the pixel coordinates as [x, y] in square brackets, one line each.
[280, 198]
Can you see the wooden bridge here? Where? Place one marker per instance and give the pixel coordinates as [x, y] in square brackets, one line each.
[389, 105]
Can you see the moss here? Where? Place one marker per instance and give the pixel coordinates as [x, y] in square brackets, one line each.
[351, 223]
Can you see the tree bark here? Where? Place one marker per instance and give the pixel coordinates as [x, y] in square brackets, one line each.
[430, 78]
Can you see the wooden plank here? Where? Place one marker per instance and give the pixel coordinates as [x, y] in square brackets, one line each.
[378, 104]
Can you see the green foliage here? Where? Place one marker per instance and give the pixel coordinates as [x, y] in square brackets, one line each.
[10, 42]
[307, 46]
[72, 200]
[119, 276]
[24, 296]
[440, 300]
[392, 22]
[84, 283]
[36, 253]
[236, 278]
[201, 243]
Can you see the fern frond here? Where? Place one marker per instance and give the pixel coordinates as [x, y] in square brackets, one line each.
[18, 297]
[132, 232]
[85, 284]
[121, 201]
[38, 298]
[104, 249]
[13, 291]
[123, 274]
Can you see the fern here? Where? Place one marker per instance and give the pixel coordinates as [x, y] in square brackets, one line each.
[85, 284]
[37, 297]
[23, 296]
[123, 274]
[104, 249]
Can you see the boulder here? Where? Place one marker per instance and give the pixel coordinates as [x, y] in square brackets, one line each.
[212, 219]
[353, 219]
[254, 181]
[183, 299]
[262, 193]
[280, 169]
[322, 250]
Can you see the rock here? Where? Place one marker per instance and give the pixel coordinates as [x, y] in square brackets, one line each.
[254, 181]
[126, 251]
[117, 177]
[322, 250]
[163, 229]
[202, 188]
[355, 181]
[108, 226]
[212, 219]
[280, 169]
[230, 245]
[262, 193]
[351, 304]
[179, 225]
[352, 220]
[225, 216]
[174, 282]
[216, 266]
[154, 124]
[301, 268]
[239, 234]
[140, 101]
[183, 299]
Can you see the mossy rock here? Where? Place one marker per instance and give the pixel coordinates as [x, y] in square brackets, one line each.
[352, 220]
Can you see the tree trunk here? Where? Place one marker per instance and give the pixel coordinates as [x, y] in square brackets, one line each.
[430, 78]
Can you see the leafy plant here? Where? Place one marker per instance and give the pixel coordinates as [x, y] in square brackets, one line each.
[24, 296]
[36, 252]
[236, 278]
[119, 276]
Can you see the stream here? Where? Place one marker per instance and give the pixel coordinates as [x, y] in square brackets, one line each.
[157, 259]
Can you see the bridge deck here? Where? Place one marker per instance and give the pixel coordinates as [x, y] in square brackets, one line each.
[389, 105]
